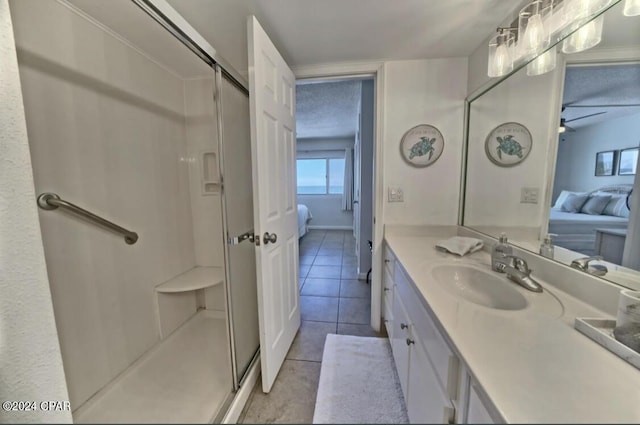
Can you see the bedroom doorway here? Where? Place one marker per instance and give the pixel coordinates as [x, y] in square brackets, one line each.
[335, 124]
[598, 158]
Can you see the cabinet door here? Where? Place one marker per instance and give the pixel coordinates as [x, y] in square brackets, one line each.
[399, 345]
[444, 361]
[426, 403]
[476, 412]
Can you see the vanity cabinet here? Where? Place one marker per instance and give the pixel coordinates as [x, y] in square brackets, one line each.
[435, 385]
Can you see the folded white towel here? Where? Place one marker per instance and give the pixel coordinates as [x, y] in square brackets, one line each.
[460, 245]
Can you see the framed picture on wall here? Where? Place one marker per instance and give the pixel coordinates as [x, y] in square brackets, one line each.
[628, 162]
[605, 161]
[421, 145]
[508, 144]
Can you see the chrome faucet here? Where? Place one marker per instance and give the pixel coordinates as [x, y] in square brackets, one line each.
[594, 269]
[516, 269]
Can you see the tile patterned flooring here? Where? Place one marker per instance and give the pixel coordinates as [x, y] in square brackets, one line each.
[332, 300]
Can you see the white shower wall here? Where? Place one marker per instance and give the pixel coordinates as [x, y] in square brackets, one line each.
[108, 130]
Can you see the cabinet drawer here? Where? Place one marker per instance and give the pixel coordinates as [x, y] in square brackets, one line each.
[444, 361]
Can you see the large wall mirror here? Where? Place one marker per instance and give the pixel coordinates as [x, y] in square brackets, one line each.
[557, 153]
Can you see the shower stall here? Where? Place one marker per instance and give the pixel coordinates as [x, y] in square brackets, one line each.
[130, 132]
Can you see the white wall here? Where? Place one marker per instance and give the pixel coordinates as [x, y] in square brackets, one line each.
[30, 360]
[424, 92]
[106, 131]
[326, 209]
[575, 168]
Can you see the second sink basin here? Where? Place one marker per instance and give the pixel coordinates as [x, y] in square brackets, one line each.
[479, 286]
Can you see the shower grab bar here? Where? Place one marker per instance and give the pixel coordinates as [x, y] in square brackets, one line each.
[51, 201]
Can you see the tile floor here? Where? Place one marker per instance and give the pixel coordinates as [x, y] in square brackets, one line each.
[332, 300]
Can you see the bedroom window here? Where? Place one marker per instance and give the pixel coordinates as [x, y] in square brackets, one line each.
[320, 176]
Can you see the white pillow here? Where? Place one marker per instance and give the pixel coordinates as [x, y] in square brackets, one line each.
[617, 206]
[563, 197]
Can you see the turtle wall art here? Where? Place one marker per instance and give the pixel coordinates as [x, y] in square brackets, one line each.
[421, 145]
[508, 144]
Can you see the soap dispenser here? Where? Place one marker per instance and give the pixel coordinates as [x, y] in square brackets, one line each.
[546, 248]
[500, 249]
[503, 247]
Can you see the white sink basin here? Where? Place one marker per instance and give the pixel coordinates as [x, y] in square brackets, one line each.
[479, 286]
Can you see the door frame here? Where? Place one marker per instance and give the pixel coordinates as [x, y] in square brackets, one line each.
[376, 71]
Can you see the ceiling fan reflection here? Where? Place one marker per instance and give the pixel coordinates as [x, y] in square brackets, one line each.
[563, 122]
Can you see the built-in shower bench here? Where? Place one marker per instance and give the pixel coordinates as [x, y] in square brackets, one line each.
[192, 280]
[182, 296]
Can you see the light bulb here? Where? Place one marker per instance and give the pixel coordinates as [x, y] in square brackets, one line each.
[542, 64]
[631, 8]
[585, 38]
[502, 60]
[534, 35]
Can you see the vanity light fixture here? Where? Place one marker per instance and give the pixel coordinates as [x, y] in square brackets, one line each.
[540, 21]
[533, 27]
[631, 8]
[542, 64]
[500, 52]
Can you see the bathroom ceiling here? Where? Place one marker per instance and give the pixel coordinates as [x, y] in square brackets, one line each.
[331, 31]
[327, 109]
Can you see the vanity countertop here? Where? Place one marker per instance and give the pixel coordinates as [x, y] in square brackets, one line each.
[533, 365]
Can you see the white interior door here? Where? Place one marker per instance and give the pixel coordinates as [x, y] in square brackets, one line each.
[273, 129]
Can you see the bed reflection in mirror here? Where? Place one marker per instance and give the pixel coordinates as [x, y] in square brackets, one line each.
[588, 106]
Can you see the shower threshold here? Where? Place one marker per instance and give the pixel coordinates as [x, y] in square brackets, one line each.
[183, 379]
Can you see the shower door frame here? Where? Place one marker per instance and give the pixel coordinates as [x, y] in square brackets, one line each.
[165, 15]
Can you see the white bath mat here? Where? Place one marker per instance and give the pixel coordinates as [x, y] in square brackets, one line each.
[358, 383]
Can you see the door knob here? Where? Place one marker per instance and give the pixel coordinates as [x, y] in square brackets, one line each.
[269, 238]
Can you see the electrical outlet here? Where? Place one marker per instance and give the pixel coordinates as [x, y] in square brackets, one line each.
[529, 195]
[395, 194]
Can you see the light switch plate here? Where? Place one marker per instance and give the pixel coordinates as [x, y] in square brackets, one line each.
[529, 195]
[395, 194]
